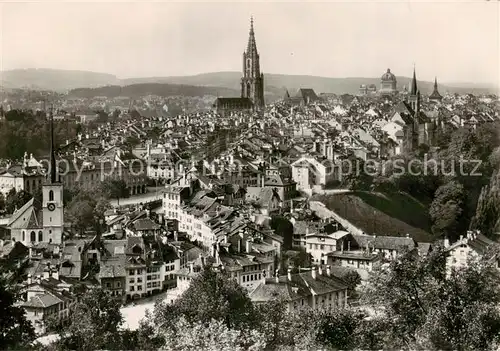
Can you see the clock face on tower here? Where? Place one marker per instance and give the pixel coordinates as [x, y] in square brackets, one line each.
[51, 207]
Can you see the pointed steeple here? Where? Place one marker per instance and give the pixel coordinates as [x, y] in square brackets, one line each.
[53, 177]
[252, 46]
[435, 94]
[413, 90]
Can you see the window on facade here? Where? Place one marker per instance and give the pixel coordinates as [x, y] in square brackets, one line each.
[131, 288]
[51, 195]
[33, 237]
[139, 287]
[40, 236]
[24, 236]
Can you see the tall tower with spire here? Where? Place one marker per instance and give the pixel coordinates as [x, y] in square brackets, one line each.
[52, 197]
[412, 96]
[252, 82]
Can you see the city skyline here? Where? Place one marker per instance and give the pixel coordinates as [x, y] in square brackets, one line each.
[336, 39]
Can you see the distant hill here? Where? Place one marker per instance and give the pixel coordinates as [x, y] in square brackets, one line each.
[54, 79]
[382, 214]
[63, 80]
[276, 83]
[160, 89]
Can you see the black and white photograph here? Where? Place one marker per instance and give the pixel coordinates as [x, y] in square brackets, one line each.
[250, 175]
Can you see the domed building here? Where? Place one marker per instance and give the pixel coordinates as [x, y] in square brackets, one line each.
[388, 83]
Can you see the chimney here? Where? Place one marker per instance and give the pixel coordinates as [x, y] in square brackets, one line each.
[407, 235]
[248, 246]
[67, 142]
[46, 274]
[191, 267]
[277, 276]
[320, 270]
[30, 280]
[328, 271]
[202, 259]
[461, 237]
[55, 274]
[313, 272]
[38, 279]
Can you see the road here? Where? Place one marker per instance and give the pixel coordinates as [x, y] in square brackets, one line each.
[133, 314]
[152, 195]
[331, 191]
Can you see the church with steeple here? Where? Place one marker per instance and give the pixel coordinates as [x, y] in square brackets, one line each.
[252, 83]
[36, 222]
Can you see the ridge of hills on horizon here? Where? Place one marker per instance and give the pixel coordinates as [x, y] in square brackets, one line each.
[214, 83]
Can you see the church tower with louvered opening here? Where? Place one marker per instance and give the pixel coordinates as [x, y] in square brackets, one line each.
[252, 82]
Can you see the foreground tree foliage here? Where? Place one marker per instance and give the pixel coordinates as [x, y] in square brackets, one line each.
[421, 305]
[211, 296]
[414, 303]
[93, 324]
[15, 331]
[211, 336]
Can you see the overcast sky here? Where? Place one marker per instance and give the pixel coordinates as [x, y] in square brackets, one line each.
[456, 41]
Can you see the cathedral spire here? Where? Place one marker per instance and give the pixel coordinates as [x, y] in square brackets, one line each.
[435, 83]
[53, 178]
[252, 46]
[413, 90]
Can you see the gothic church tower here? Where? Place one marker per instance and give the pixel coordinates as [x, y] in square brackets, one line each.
[52, 198]
[252, 82]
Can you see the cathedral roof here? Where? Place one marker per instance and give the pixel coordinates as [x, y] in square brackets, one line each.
[233, 101]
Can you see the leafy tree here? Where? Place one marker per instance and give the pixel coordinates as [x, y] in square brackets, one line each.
[211, 295]
[488, 208]
[116, 113]
[211, 336]
[352, 279]
[16, 200]
[447, 210]
[284, 228]
[93, 324]
[422, 305]
[86, 209]
[2, 202]
[15, 330]
[115, 189]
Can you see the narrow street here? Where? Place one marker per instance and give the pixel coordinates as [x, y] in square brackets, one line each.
[154, 193]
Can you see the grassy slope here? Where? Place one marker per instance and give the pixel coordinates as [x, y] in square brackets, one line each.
[382, 214]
